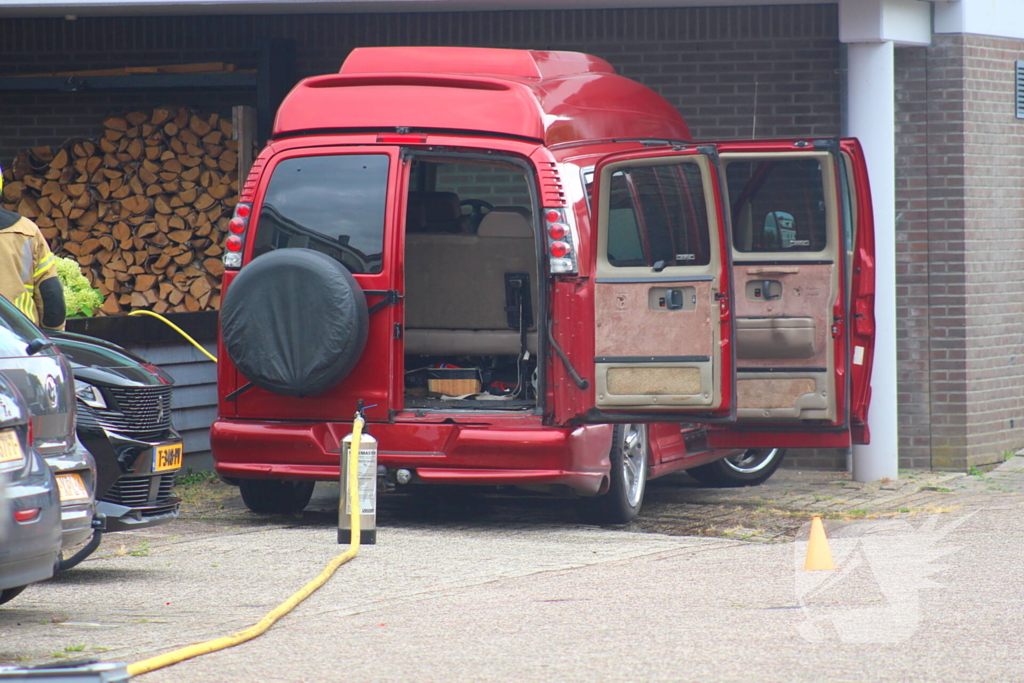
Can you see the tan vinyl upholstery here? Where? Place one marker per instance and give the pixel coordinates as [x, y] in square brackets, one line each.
[506, 221]
[455, 287]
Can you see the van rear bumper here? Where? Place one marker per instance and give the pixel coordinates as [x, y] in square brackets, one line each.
[516, 455]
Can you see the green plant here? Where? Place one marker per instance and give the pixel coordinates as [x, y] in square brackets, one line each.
[80, 298]
[191, 478]
[74, 648]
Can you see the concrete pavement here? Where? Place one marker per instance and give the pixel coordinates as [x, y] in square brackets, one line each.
[919, 595]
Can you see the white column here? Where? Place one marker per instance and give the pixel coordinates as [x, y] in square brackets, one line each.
[871, 118]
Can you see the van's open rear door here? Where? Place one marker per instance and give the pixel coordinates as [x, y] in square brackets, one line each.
[662, 297]
[803, 274]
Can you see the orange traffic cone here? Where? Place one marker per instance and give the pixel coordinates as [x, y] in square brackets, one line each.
[818, 555]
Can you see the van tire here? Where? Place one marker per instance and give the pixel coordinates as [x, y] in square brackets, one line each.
[294, 322]
[275, 496]
[630, 457]
[748, 468]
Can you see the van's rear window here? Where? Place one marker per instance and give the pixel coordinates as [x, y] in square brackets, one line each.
[332, 204]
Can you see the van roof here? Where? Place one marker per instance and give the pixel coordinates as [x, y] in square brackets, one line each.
[550, 97]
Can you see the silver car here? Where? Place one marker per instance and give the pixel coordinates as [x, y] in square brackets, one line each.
[30, 531]
[43, 377]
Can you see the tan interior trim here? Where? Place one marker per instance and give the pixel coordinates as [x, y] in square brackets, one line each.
[773, 270]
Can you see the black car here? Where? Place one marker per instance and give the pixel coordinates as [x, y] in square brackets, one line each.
[30, 524]
[124, 421]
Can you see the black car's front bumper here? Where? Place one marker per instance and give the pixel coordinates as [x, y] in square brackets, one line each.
[141, 496]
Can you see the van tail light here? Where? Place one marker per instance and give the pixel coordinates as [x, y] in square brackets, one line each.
[561, 241]
[238, 226]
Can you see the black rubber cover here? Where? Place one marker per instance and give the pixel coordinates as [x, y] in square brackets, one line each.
[294, 322]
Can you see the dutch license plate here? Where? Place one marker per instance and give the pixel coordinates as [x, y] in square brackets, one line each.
[168, 457]
[10, 447]
[71, 487]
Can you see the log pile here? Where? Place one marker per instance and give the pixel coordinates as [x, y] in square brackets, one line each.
[144, 209]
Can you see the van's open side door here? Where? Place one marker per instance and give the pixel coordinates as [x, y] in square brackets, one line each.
[803, 274]
[662, 297]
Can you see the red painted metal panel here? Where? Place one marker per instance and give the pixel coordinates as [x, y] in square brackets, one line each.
[804, 438]
[862, 300]
[572, 97]
[522, 448]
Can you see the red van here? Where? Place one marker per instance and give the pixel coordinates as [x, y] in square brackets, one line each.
[531, 276]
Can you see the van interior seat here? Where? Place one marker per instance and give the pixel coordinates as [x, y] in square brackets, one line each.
[435, 212]
[506, 221]
[455, 287]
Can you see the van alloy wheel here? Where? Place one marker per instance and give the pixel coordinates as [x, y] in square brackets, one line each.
[630, 458]
[750, 467]
[752, 460]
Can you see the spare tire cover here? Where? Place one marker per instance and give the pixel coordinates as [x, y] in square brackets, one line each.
[294, 322]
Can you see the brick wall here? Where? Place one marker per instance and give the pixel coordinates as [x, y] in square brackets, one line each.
[709, 62]
[960, 235]
[994, 249]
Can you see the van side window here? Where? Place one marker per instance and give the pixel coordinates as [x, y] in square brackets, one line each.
[777, 205]
[658, 214]
[332, 204]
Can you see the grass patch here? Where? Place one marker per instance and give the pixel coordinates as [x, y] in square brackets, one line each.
[192, 478]
[202, 491]
[141, 551]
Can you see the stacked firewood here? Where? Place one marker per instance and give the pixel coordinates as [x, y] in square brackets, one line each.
[144, 210]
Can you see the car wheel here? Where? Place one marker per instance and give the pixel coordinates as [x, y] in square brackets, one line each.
[294, 322]
[8, 594]
[748, 468]
[630, 455]
[275, 496]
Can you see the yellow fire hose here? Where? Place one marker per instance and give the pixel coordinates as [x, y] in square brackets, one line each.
[178, 330]
[160, 661]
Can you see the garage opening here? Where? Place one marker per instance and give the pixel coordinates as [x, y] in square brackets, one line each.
[472, 286]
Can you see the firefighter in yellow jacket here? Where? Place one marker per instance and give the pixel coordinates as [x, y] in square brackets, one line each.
[28, 270]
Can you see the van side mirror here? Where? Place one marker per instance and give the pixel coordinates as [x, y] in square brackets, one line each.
[37, 345]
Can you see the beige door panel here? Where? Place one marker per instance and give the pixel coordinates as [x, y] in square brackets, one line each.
[776, 338]
[785, 396]
[794, 325]
[648, 354]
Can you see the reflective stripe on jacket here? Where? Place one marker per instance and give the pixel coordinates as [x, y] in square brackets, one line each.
[25, 261]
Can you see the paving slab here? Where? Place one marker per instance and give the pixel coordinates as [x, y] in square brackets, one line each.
[706, 585]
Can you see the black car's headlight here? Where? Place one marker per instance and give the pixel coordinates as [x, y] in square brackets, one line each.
[89, 394]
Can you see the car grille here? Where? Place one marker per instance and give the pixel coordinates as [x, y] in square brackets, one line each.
[144, 412]
[136, 491]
